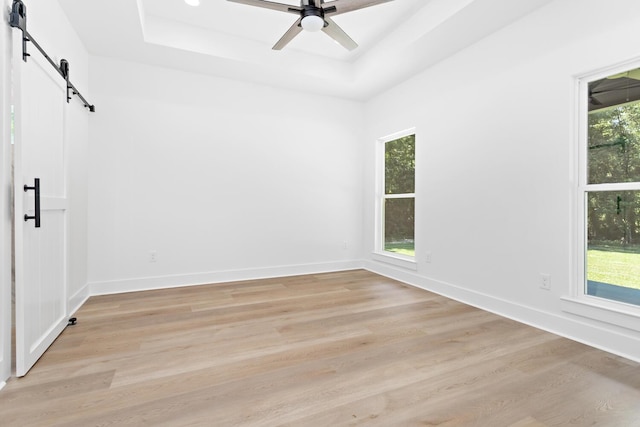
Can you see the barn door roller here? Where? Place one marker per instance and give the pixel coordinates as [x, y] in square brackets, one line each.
[18, 19]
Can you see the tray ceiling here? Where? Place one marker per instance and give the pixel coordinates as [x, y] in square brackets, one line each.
[396, 39]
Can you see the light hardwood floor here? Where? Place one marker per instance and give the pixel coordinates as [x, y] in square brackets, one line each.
[339, 349]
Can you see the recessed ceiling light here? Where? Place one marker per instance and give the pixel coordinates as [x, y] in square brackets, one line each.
[192, 2]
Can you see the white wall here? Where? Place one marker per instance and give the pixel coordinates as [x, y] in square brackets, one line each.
[495, 154]
[224, 180]
[5, 203]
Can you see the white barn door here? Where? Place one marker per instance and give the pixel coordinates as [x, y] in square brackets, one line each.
[40, 252]
[5, 216]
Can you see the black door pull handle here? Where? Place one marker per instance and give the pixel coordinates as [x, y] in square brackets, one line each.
[36, 188]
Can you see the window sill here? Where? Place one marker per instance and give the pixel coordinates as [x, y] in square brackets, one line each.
[405, 262]
[593, 308]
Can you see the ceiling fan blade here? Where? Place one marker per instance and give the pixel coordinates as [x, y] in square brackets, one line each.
[336, 33]
[295, 29]
[338, 7]
[270, 5]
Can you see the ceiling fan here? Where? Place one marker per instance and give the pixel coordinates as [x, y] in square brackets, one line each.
[314, 15]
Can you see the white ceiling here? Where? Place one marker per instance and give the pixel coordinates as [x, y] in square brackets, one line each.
[396, 39]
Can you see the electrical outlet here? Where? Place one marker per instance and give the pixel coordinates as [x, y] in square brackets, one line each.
[345, 245]
[427, 257]
[545, 281]
[153, 256]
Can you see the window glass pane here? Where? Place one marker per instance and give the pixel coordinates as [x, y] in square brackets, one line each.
[614, 129]
[613, 251]
[399, 226]
[399, 165]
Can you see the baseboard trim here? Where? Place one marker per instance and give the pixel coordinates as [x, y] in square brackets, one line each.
[599, 337]
[196, 279]
[2, 384]
[78, 299]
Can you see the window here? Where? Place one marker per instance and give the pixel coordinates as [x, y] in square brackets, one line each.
[397, 196]
[610, 190]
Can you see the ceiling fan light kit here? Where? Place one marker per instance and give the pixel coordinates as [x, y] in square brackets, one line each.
[314, 16]
[312, 23]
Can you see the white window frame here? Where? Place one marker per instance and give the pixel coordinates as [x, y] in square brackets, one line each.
[578, 302]
[379, 254]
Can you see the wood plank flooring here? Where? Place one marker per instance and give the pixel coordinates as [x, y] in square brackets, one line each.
[340, 349]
